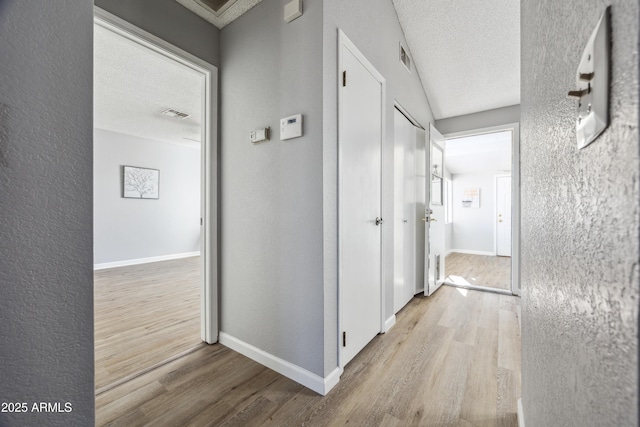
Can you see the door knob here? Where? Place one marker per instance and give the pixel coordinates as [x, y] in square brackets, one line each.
[500, 220]
[433, 219]
[378, 220]
[405, 221]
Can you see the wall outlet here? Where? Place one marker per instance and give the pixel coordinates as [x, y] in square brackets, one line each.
[259, 135]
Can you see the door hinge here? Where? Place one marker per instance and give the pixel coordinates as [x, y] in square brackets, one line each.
[200, 221]
[344, 339]
[344, 78]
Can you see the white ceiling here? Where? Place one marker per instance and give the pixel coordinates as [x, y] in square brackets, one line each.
[237, 9]
[489, 152]
[133, 85]
[467, 52]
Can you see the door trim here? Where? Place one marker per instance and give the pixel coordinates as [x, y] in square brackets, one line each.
[208, 205]
[495, 208]
[515, 192]
[344, 41]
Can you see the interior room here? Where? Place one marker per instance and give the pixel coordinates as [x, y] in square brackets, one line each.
[321, 213]
[479, 229]
[147, 208]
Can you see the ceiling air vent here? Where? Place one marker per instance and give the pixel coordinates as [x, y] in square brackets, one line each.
[175, 113]
[217, 7]
[404, 58]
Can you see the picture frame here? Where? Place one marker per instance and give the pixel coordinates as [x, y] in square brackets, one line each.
[140, 183]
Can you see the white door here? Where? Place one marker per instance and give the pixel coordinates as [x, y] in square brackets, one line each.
[434, 214]
[503, 213]
[360, 222]
[419, 208]
[404, 211]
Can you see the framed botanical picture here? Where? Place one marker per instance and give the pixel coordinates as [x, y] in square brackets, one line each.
[140, 183]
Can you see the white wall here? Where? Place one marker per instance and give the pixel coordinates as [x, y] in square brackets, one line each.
[473, 229]
[131, 229]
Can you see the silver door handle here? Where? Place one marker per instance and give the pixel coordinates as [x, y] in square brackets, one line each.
[378, 220]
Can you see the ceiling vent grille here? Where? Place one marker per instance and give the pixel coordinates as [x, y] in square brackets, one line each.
[404, 58]
[217, 7]
[175, 113]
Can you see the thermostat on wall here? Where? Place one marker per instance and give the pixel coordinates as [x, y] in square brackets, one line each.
[291, 127]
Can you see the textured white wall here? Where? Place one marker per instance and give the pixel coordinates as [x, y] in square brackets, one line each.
[46, 274]
[580, 224]
[126, 229]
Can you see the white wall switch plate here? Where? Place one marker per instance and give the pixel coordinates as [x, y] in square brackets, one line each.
[291, 127]
[259, 135]
[292, 10]
[592, 82]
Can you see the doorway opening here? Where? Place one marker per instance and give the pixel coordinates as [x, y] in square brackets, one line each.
[481, 194]
[155, 297]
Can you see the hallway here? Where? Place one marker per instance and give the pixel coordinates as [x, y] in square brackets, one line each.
[452, 359]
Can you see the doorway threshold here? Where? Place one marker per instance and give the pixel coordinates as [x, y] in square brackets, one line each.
[478, 288]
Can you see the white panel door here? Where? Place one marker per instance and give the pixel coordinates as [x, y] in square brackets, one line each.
[503, 213]
[404, 211]
[360, 158]
[434, 214]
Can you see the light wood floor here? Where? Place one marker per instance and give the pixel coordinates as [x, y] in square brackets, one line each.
[452, 359]
[144, 314]
[480, 270]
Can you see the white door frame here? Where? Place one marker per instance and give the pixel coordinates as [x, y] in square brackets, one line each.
[343, 40]
[515, 192]
[208, 205]
[495, 209]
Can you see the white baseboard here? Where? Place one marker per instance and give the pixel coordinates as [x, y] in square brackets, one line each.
[127, 262]
[449, 252]
[388, 324]
[296, 373]
[520, 414]
[465, 251]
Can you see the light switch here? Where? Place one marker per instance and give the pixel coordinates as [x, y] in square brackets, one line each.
[592, 83]
[259, 135]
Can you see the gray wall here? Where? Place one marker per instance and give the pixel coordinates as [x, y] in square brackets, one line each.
[372, 25]
[171, 22]
[580, 224]
[127, 229]
[483, 119]
[46, 293]
[271, 193]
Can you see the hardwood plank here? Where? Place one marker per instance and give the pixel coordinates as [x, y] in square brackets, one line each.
[143, 315]
[426, 371]
[480, 270]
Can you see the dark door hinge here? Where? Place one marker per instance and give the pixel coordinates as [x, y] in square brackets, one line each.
[344, 78]
[344, 339]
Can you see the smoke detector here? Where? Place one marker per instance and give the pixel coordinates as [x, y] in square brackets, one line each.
[175, 113]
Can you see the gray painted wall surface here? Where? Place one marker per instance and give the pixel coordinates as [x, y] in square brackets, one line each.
[372, 25]
[271, 193]
[46, 274]
[580, 224]
[171, 22]
[126, 229]
[483, 119]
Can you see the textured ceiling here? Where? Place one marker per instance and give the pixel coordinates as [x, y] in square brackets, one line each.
[133, 85]
[479, 153]
[229, 15]
[467, 52]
